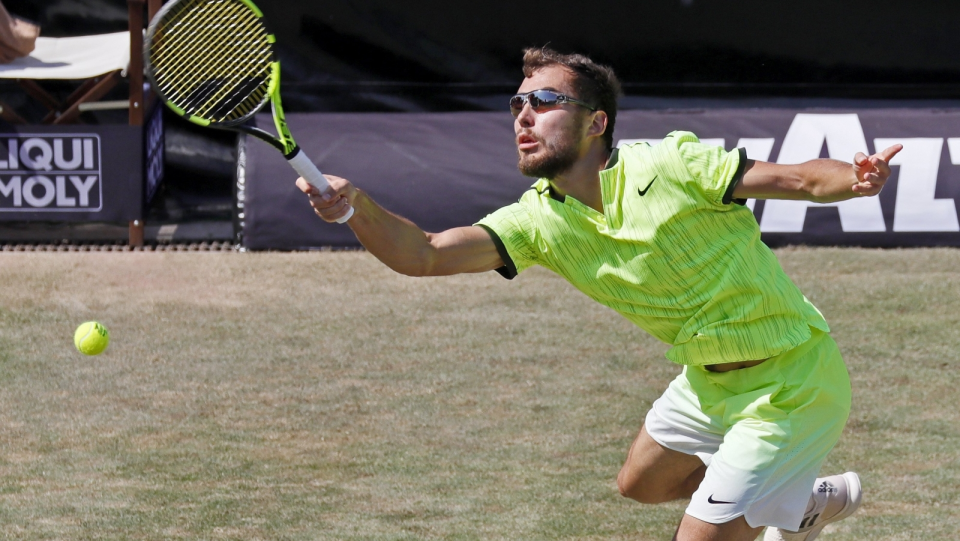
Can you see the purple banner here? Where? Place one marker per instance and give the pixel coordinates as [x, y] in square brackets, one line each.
[439, 170]
[448, 170]
[71, 173]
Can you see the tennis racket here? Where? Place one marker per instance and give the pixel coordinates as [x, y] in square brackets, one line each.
[212, 62]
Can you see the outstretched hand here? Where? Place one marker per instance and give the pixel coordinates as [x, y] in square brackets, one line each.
[873, 171]
[332, 204]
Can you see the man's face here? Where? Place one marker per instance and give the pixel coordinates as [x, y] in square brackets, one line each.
[549, 142]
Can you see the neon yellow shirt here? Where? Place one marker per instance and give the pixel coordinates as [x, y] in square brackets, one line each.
[670, 252]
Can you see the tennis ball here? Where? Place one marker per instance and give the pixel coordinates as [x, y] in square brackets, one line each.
[91, 338]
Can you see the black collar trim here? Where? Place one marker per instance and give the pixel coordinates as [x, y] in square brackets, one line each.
[614, 158]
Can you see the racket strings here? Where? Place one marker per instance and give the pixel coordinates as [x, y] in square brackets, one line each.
[218, 77]
[180, 41]
[212, 58]
[175, 57]
[203, 95]
[174, 39]
[212, 24]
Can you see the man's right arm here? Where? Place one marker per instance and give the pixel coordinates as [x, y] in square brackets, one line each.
[398, 242]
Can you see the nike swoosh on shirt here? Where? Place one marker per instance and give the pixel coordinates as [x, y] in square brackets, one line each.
[711, 500]
[644, 192]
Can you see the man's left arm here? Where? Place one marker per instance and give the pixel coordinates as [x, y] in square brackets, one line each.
[820, 181]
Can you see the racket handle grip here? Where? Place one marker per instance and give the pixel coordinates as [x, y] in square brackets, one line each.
[305, 168]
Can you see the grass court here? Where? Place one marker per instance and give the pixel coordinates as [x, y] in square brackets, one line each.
[304, 396]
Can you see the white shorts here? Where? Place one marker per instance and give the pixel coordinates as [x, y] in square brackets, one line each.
[763, 432]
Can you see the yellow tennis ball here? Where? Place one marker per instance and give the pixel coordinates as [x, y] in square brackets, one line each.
[91, 338]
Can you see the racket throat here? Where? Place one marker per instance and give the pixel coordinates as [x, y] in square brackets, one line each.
[279, 119]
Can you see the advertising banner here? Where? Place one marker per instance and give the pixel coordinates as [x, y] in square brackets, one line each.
[447, 170]
[71, 173]
[918, 207]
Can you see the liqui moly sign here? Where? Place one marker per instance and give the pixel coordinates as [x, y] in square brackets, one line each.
[50, 173]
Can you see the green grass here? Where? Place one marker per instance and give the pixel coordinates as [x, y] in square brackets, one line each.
[321, 396]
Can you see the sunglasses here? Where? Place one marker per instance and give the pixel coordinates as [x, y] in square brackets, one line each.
[543, 100]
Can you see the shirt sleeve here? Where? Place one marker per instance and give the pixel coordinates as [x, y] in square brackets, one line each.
[514, 233]
[714, 170]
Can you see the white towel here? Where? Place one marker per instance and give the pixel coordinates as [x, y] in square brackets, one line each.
[72, 58]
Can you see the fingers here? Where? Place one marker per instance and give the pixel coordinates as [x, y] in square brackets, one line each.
[332, 203]
[873, 171]
[337, 209]
[336, 186]
[880, 166]
[306, 187]
[329, 209]
[880, 161]
[888, 153]
[866, 189]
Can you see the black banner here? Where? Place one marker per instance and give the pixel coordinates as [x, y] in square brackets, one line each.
[71, 173]
[439, 170]
[448, 170]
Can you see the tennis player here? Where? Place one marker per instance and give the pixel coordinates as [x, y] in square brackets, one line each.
[661, 235]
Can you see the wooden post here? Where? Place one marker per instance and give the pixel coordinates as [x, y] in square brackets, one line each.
[153, 6]
[135, 77]
[136, 233]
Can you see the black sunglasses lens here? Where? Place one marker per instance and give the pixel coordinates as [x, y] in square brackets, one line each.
[516, 105]
[542, 99]
[538, 100]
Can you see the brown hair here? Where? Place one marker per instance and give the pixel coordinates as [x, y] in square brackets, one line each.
[594, 83]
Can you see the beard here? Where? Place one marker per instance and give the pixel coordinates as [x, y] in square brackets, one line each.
[555, 158]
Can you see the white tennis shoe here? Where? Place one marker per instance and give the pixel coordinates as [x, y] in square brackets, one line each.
[834, 498]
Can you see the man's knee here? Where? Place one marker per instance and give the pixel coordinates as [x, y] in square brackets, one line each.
[639, 492]
[628, 487]
[636, 486]
[653, 473]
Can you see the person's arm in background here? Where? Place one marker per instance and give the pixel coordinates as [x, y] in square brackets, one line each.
[398, 242]
[821, 181]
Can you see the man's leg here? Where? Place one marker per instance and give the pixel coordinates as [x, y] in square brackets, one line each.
[654, 474]
[783, 417]
[693, 529]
